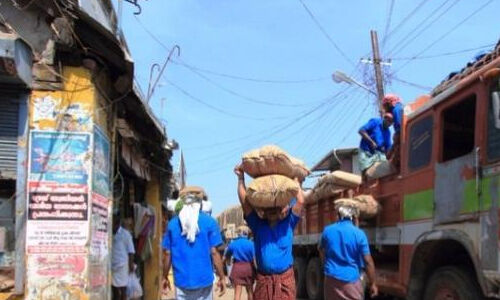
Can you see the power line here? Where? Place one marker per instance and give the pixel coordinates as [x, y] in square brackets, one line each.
[215, 108]
[408, 39]
[445, 53]
[328, 37]
[416, 85]
[226, 75]
[246, 98]
[406, 19]
[388, 22]
[444, 35]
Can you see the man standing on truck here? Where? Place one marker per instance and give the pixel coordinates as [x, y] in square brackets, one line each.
[392, 104]
[189, 246]
[344, 251]
[242, 251]
[375, 141]
[273, 238]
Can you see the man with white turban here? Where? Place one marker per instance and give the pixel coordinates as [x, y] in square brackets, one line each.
[344, 250]
[189, 245]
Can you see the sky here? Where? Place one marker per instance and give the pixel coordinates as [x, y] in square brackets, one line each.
[258, 72]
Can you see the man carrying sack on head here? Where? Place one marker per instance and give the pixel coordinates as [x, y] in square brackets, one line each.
[273, 237]
[189, 245]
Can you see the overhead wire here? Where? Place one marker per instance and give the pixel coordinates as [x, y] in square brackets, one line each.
[420, 28]
[181, 62]
[406, 18]
[445, 53]
[325, 33]
[440, 38]
[388, 22]
[416, 85]
[215, 108]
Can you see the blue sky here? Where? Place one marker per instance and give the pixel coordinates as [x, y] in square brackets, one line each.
[284, 94]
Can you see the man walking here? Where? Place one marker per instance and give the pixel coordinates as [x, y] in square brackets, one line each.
[273, 237]
[189, 246]
[122, 259]
[242, 274]
[344, 251]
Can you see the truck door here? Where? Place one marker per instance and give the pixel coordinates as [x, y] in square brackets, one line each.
[455, 191]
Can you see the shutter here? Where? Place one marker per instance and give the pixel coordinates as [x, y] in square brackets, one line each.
[9, 114]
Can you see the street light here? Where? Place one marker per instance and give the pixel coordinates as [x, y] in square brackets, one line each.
[340, 77]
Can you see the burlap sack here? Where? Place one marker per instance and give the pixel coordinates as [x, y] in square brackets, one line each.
[197, 191]
[271, 191]
[368, 207]
[323, 191]
[270, 160]
[342, 179]
[380, 169]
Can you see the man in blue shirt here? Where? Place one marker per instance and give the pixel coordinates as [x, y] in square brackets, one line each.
[242, 251]
[375, 141]
[392, 104]
[189, 245]
[273, 237]
[344, 251]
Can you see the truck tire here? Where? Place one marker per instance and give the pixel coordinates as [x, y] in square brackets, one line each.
[299, 268]
[451, 283]
[314, 279]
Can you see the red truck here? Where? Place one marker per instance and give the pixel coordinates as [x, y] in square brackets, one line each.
[437, 234]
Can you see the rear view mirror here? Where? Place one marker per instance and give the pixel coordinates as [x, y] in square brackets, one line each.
[496, 108]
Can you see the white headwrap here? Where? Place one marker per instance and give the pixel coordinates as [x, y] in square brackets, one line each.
[189, 217]
[347, 212]
[206, 207]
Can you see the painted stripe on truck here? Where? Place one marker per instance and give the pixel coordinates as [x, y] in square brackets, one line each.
[418, 206]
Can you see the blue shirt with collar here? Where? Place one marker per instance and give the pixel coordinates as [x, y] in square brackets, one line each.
[397, 113]
[378, 133]
[241, 249]
[273, 244]
[192, 262]
[344, 246]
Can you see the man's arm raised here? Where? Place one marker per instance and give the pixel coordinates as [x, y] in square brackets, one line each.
[247, 209]
[299, 205]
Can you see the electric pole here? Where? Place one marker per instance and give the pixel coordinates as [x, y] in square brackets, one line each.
[378, 70]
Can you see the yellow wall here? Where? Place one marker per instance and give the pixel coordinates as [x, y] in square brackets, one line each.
[153, 267]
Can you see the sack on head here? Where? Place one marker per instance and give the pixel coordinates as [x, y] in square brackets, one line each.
[271, 191]
[270, 160]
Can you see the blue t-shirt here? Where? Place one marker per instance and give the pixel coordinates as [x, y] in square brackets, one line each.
[344, 246]
[192, 262]
[273, 245]
[379, 134]
[397, 113]
[241, 249]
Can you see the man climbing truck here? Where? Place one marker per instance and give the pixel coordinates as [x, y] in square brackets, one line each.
[436, 235]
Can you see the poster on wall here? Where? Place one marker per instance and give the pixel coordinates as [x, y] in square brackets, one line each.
[58, 204]
[60, 157]
[101, 164]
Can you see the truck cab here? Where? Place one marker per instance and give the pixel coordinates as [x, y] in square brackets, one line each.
[437, 234]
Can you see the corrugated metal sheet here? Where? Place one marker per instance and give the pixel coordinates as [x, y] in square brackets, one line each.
[9, 113]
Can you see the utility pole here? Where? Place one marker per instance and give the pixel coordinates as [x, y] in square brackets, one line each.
[378, 70]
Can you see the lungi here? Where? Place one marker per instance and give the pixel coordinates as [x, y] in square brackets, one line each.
[120, 276]
[275, 286]
[339, 290]
[242, 273]
[367, 159]
[205, 293]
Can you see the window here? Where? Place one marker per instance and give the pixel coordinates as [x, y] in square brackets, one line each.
[494, 125]
[420, 144]
[458, 129]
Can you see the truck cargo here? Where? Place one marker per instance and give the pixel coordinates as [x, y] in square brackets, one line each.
[437, 233]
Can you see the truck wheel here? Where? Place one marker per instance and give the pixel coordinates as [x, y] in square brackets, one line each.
[314, 279]
[299, 268]
[451, 283]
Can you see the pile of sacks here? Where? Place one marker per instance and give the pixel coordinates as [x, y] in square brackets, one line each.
[367, 206]
[274, 171]
[332, 184]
